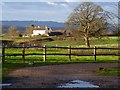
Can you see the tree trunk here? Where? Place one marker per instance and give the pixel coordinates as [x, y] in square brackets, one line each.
[87, 42]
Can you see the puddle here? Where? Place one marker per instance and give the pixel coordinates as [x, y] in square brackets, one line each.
[4, 85]
[78, 84]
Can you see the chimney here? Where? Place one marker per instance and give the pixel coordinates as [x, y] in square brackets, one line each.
[46, 28]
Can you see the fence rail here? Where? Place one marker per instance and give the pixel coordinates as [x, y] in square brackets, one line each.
[69, 54]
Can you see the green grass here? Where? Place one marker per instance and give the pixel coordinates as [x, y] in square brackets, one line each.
[70, 41]
[109, 71]
[0, 72]
[15, 62]
[93, 41]
[37, 58]
[12, 63]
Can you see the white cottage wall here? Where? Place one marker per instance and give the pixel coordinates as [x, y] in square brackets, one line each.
[39, 32]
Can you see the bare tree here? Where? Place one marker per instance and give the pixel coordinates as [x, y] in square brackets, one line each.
[13, 32]
[115, 18]
[1, 29]
[29, 30]
[89, 19]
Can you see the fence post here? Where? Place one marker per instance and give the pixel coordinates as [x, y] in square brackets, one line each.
[3, 54]
[23, 54]
[44, 53]
[56, 46]
[69, 52]
[95, 53]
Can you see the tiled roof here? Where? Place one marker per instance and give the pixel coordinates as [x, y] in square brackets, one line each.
[62, 31]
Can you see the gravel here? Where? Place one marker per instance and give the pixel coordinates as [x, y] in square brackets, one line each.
[52, 75]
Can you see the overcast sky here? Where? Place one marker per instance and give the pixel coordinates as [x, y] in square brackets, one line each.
[45, 10]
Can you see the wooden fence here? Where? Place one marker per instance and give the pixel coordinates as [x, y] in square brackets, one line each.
[69, 54]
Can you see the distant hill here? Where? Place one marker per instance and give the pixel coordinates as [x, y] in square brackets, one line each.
[21, 25]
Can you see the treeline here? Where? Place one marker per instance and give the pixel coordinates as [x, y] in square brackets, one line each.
[14, 31]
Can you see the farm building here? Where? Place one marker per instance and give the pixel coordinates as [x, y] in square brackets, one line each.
[57, 32]
[41, 30]
[46, 31]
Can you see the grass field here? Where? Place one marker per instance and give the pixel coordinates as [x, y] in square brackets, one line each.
[58, 58]
[109, 72]
[107, 41]
[14, 62]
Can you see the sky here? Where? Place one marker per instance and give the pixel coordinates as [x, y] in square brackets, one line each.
[46, 10]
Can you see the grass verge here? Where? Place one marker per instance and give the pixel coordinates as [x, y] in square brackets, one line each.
[109, 71]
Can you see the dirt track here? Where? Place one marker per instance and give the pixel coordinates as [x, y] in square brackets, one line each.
[50, 76]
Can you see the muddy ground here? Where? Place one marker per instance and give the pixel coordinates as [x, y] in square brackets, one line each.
[52, 75]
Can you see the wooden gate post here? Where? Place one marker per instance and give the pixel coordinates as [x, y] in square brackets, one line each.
[3, 54]
[69, 52]
[23, 54]
[44, 53]
[56, 47]
[95, 53]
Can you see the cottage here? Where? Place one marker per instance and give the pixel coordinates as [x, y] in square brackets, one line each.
[41, 30]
